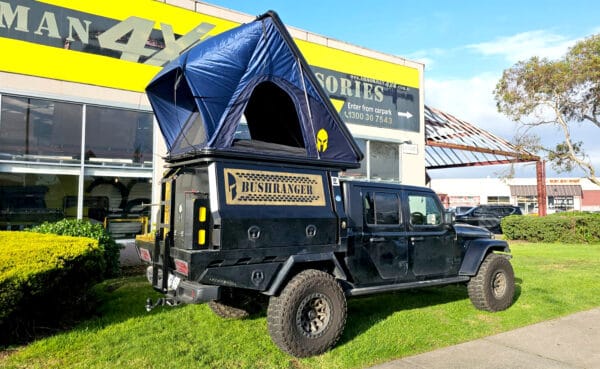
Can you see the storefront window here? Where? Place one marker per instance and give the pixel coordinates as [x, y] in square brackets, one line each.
[360, 173]
[122, 204]
[40, 130]
[48, 135]
[560, 203]
[496, 200]
[384, 161]
[118, 136]
[528, 204]
[31, 199]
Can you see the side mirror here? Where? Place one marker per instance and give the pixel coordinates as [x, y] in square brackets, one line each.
[449, 217]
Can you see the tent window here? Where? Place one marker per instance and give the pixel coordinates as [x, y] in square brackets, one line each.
[272, 117]
[192, 133]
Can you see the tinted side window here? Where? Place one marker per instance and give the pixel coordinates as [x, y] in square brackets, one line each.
[485, 212]
[382, 208]
[424, 210]
[497, 212]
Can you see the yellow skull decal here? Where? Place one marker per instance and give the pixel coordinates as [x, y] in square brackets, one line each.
[322, 140]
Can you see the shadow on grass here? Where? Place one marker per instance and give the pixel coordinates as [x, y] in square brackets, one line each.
[365, 312]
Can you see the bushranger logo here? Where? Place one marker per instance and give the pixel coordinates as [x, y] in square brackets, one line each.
[257, 187]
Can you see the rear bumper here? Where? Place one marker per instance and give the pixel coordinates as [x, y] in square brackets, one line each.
[185, 291]
[195, 293]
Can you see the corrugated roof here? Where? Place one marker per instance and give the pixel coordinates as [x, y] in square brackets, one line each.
[452, 142]
[551, 190]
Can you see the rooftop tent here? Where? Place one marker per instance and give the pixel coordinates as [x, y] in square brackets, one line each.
[249, 92]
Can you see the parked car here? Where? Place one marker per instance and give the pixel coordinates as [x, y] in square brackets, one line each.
[488, 216]
[460, 209]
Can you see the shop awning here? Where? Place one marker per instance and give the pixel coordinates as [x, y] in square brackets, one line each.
[551, 190]
[452, 143]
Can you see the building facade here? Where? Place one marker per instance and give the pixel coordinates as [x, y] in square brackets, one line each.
[77, 134]
[563, 194]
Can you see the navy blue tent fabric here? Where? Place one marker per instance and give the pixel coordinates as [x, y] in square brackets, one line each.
[200, 97]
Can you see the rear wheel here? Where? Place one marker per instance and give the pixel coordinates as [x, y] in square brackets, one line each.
[309, 315]
[493, 287]
[237, 304]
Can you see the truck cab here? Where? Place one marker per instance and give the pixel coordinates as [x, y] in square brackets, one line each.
[401, 232]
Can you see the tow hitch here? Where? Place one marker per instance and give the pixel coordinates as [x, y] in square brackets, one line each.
[169, 301]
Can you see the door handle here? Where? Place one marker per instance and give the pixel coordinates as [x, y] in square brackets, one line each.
[376, 239]
[413, 239]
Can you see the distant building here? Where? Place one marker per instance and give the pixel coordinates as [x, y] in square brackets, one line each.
[563, 194]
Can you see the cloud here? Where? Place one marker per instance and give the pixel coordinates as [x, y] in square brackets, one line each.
[429, 56]
[471, 100]
[470, 97]
[524, 45]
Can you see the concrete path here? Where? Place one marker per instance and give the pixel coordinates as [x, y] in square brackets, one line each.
[572, 342]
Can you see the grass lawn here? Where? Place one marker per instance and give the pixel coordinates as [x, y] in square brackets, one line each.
[553, 280]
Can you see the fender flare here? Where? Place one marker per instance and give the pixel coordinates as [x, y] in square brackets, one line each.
[286, 269]
[477, 250]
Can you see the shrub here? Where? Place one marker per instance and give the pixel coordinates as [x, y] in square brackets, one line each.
[43, 279]
[560, 227]
[82, 228]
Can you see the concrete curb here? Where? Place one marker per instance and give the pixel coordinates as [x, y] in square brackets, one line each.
[571, 342]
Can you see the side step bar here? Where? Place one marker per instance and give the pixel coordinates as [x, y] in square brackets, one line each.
[405, 286]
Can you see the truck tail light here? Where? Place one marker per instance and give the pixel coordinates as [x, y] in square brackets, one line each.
[201, 237]
[182, 267]
[202, 225]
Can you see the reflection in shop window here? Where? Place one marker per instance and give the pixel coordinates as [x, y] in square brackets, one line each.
[118, 135]
[122, 204]
[384, 161]
[39, 129]
[30, 199]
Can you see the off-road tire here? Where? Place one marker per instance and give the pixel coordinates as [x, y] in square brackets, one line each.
[493, 287]
[309, 315]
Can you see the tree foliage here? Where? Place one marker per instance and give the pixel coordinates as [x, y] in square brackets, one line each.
[561, 93]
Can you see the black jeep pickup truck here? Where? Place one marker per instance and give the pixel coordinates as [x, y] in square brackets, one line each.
[266, 216]
[238, 233]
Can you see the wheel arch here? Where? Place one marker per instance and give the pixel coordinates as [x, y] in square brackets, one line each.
[296, 263]
[477, 250]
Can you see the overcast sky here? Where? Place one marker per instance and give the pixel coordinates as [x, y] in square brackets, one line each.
[465, 46]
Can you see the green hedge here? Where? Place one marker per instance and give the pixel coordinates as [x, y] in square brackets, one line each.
[44, 279]
[83, 228]
[561, 227]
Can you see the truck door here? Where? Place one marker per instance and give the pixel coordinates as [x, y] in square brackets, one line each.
[384, 237]
[433, 248]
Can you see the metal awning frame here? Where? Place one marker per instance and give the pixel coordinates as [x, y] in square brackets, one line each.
[454, 143]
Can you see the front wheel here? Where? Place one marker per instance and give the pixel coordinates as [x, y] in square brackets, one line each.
[493, 287]
[309, 315]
